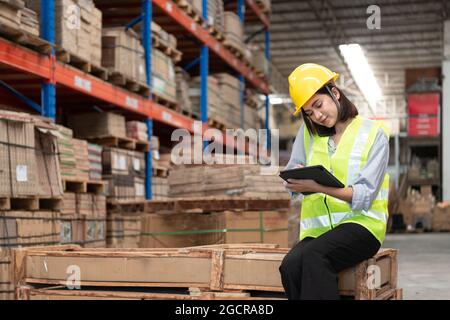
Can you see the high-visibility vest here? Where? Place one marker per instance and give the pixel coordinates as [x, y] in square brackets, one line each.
[321, 213]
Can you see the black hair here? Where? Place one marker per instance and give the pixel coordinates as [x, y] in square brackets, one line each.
[346, 110]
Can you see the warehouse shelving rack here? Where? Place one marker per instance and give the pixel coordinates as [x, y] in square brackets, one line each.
[23, 71]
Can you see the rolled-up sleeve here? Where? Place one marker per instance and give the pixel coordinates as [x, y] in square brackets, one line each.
[368, 182]
[298, 156]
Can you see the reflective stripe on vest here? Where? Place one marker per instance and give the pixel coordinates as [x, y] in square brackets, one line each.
[346, 163]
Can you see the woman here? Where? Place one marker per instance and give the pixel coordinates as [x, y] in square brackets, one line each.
[339, 227]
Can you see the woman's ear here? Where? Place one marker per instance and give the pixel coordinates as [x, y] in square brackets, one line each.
[336, 93]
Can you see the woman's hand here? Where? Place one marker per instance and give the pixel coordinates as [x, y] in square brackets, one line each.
[297, 185]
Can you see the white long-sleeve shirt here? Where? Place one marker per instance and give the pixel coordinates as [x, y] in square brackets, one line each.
[368, 181]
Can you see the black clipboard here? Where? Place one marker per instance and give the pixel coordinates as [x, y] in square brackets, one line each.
[317, 173]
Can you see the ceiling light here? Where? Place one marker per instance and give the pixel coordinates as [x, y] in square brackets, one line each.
[361, 72]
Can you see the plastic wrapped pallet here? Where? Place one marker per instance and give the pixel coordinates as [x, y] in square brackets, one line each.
[97, 125]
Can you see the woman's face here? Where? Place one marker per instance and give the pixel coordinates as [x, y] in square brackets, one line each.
[321, 109]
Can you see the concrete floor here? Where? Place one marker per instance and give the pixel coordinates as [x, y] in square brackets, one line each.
[424, 264]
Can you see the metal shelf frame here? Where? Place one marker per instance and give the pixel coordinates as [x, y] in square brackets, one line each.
[52, 73]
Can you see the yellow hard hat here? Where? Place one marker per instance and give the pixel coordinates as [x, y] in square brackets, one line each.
[306, 80]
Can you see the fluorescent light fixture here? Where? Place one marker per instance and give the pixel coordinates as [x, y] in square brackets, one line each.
[279, 99]
[361, 72]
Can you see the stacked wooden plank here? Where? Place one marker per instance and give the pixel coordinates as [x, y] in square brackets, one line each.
[29, 21]
[212, 220]
[80, 148]
[66, 153]
[244, 180]
[208, 272]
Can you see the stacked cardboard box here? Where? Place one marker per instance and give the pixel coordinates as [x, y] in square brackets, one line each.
[21, 229]
[215, 102]
[230, 92]
[137, 130]
[163, 72]
[77, 27]
[29, 21]
[97, 125]
[95, 161]
[234, 32]
[28, 151]
[80, 148]
[423, 168]
[160, 188]
[182, 84]
[123, 231]
[215, 12]
[242, 180]
[417, 208]
[66, 153]
[83, 219]
[10, 13]
[166, 38]
[123, 53]
[259, 60]
[124, 171]
[441, 217]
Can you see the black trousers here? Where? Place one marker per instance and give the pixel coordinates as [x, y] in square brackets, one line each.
[310, 270]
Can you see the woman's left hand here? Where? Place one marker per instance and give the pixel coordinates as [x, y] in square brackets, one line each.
[297, 185]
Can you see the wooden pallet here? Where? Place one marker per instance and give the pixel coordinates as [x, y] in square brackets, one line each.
[121, 142]
[160, 172]
[212, 122]
[233, 49]
[216, 33]
[128, 83]
[25, 39]
[32, 203]
[190, 114]
[161, 45]
[215, 204]
[80, 63]
[83, 186]
[189, 10]
[163, 101]
[125, 206]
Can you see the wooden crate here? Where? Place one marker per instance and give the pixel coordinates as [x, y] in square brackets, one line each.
[227, 269]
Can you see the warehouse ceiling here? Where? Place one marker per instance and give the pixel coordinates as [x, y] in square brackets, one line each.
[410, 36]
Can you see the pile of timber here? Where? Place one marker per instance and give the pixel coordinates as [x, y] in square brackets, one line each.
[193, 273]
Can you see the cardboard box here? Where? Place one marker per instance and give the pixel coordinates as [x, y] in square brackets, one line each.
[97, 125]
[176, 230]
